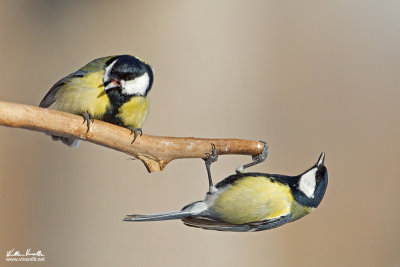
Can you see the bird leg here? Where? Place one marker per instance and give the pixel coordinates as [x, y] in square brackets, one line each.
[256, 159]
[87, 117]
[210, 159]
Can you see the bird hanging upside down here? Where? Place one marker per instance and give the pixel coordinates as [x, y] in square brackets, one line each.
[247, 202]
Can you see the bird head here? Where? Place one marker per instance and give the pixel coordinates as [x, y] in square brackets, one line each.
[311, 185]
[127, 74]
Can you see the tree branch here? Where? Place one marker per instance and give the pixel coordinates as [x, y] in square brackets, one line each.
[154, 151]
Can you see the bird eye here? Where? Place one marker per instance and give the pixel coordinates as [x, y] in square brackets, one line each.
[318, 176]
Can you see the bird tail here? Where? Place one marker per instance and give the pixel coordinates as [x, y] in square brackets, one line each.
[193, 209]
[157, 217]
[68, 141]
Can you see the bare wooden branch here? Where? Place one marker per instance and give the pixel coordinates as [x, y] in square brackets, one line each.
[154, 151]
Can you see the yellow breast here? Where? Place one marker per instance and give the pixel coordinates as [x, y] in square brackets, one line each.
[134, 112]
[253, 199]
[299, 211]
[83, 94]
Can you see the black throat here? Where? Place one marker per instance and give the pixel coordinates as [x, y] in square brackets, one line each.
[117, 99]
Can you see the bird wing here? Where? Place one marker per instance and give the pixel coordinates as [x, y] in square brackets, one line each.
[209, 224]
[50, 97]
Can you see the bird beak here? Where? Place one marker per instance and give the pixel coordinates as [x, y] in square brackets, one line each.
[321, 159]
[110, 84]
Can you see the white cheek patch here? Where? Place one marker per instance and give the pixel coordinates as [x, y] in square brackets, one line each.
[137, 86]
[107, 71]
[307, 183]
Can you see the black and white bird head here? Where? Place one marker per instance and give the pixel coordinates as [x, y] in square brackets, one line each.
[311, 185]
[127, 74]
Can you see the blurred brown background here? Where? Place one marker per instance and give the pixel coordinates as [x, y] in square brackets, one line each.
[306, 76]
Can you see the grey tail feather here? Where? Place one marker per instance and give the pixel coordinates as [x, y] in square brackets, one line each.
[68, 141]
[158, 217]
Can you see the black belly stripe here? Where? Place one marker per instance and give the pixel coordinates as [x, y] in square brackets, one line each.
[117, 99]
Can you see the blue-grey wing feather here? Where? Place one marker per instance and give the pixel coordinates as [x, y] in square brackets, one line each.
[50, 97]
[209, 224]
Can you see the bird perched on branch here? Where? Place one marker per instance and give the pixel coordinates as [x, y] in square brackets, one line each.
[113, 89]
[247, 202]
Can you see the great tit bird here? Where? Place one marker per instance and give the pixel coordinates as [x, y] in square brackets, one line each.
[113, 89]
[248, 202]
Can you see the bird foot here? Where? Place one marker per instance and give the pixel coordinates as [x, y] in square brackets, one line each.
[210, 159]
[256, 159]
[87, 117]
[135, 132]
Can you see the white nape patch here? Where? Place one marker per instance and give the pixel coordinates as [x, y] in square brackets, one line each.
[198, 208]
[137, 86]
[107, 70]
[307, 183]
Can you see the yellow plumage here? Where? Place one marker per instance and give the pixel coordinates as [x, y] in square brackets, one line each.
[83, 94]
[86, 94]
[253, 199]
[133, 113]
[249, 202]
[299, 211]
[113, 89]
